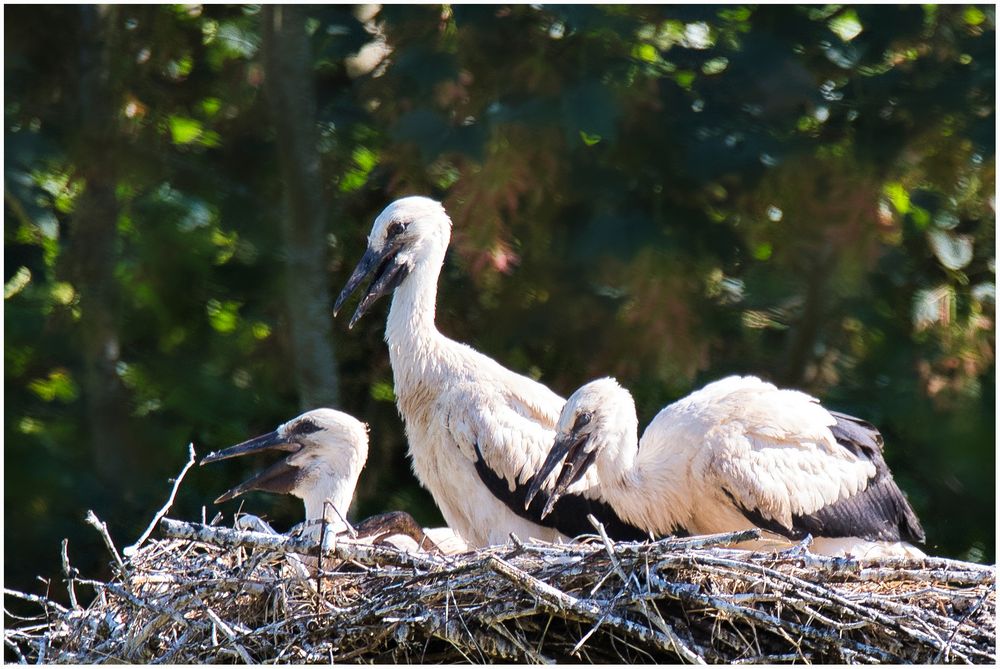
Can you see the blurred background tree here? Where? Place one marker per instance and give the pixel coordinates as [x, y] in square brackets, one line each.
[663, 194]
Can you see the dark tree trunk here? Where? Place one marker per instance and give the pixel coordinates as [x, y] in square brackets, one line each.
[802, 343]
[289, 85]
[92, 253]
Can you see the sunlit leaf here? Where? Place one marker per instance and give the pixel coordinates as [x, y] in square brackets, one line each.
[260, 330]
[209, 30]
[57, 386]
[973, 15]
[382, 391]
[736, 14]
[210, 138]
[763, 251]
[846, 25]
[715, 65]
[181, 68]
[63, 189]
[184, 130]
[223, 316]
[684, 79]
[227, 243]
[63, 292]
[920, 216]
[761, 320]
[698, 35]
[898, 196]
[445, 174]
[237, 42]
[17, 283]
[364, 162]
[28, 425]
[646, 52]
[242, 378]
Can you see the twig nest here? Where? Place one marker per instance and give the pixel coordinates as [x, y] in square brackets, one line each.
[693, 600]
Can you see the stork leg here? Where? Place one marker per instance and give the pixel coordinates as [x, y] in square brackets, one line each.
[385, 525]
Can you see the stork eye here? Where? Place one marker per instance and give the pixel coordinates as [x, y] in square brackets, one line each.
[582, 419]
[304, 427]
[394, 229]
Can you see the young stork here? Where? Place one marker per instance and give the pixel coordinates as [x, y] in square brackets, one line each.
[327, 451]
[476, 430]
[739, 453]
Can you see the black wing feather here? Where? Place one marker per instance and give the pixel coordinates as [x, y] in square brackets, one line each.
[880, 512]
[569, 514]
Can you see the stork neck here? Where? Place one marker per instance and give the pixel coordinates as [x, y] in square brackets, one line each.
[617, 460]
[329, 504]
[646, 488]
[410, 330]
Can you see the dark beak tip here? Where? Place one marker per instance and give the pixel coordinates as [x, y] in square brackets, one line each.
[338, 304]
[533, 490]
[550, 504]
[230, 494]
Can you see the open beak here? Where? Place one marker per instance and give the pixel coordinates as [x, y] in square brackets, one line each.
[280, 477]
[568, 449]
[388, 272]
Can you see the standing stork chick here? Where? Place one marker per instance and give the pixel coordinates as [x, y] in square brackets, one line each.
[327, 451]
[737, 454]
[477, 431]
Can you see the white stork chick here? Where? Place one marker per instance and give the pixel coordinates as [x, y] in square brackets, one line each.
[477, 431]
[737, 454]
[328, 450]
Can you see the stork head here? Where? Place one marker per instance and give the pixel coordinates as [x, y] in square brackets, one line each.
[326, 451]
[597, 422]
[407, 232]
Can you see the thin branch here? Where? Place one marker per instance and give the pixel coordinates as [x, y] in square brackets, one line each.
[70, 574]
[129, 551]
[21, 659]
[99, 525]
[37, 599]
[344, 549]
[947, 645]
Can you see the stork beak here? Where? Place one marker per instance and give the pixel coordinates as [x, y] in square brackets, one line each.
[279, 477]
[265, 442]
[389, 271]
[577, 460]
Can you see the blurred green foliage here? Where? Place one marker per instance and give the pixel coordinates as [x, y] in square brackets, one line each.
[663, 194]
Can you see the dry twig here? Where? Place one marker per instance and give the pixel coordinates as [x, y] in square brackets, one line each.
[129, 551]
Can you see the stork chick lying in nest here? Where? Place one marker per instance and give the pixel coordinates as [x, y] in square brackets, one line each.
[327, 451]
[737, 454]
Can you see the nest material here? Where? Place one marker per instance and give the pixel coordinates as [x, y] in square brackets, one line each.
[222, 595]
